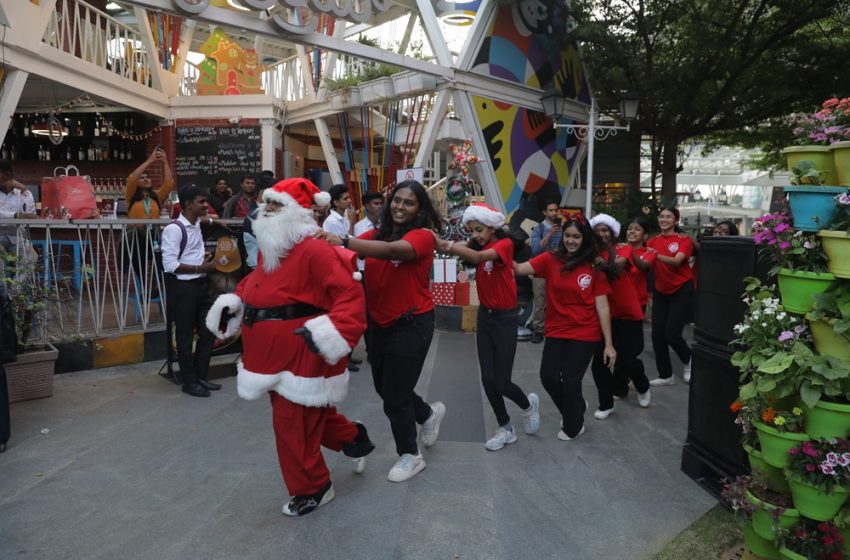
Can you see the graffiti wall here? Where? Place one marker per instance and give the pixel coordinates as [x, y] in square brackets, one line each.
[523, 45]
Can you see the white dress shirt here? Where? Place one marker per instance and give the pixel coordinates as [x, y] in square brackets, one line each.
[11, 203]
[363, 226]
[193, 254]
[336, 224]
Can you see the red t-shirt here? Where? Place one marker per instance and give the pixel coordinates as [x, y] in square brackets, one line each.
[623, 300]
[495, 279]
[396, 287]
[571, 298]
[668, 279]
[638, 277]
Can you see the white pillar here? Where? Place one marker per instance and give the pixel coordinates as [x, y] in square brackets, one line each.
[432, 127]
[591, 141]
[268, 131]
[328, 150]
[12, 89]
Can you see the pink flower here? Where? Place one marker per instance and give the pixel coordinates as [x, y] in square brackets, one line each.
[826, 468]
[832, 458]
[793, 451]
[811, 468]
[781, 227]
[786, 335]
[844, 460]
[784, 245]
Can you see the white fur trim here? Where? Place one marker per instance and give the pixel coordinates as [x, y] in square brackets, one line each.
[322, 198]
[308, 391]
[357, 275]
[484, 216]
[607, 220]
[225, 301]
[280, 197]
[332, 346]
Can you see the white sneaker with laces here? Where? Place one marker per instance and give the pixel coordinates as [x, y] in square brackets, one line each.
[501, 438]
[662, 381]
[644, 398]
[564, 437]
[603, 414]
[431, 427]
[359, 465]
[686, 373]
[531, 422]
[406, 467]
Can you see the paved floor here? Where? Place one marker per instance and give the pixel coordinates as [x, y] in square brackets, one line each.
[131, 468]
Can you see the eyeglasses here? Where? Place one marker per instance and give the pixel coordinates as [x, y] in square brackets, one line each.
[143, 176]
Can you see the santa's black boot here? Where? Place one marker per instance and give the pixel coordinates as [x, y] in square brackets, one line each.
[358, 448]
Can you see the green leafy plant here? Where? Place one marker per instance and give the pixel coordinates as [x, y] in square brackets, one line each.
[841, 219]
[816, 540]
[806, 173]
[824, 464]
[833, 308]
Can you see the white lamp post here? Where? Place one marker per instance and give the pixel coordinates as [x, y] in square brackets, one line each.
[554, 104]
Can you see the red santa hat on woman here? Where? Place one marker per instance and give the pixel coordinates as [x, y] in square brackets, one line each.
[607, 220]
[296, 191]
[483, 214]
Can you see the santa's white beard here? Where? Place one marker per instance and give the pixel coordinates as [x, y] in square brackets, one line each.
[277, 233]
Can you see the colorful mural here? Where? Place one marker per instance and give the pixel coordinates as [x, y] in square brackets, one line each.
[227, 69]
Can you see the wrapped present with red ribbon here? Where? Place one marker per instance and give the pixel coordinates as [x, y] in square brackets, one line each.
[462, 293]
[443, 292]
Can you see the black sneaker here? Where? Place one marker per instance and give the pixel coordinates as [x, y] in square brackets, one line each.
[361, 445]
[302, 505]
[537, 337]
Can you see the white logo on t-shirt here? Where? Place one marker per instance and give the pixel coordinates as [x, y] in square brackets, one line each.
[396, 263]
[673, 248]
[584, 281]
[488, 267]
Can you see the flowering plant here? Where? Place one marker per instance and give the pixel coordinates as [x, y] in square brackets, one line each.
[784, 420]
[826, 126]
[788, 248]
[748, 412]
[747, 494]
[841, 219]
[824, 464]
[818, 541]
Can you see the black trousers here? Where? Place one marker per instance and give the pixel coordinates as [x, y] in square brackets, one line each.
[562, 368]
[669, 316]
[5, 417]
[397, 354]
[496, 342]
[627, 337]
[188, 304]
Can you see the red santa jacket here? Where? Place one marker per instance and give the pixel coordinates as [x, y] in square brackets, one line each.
[275, 359]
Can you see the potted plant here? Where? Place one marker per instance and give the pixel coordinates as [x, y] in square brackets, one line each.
[812, 541]
[842, 522]
[825, 390]
[836, 237]
[779, 431]
[747, 414]
[798, 261]
[813, 134]
[839, 109]
[344, 92]
[760, 511]
[818, 473]
[829, 321]
[811, 203]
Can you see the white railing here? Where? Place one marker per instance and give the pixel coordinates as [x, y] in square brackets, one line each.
[189, 83]
[94, 36]
[284, 80]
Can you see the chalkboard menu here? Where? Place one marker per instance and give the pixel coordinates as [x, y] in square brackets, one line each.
[207, 152]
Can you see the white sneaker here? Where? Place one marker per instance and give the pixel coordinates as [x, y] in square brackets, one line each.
[661, 381]
[644, 398]
[359, 465]
[686, 373]
[501, 438]
[603, 414]
[564, 437]
[406, 467]
[532, 416]
[431, 427]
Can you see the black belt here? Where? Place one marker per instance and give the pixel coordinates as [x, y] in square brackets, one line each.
[280, 313]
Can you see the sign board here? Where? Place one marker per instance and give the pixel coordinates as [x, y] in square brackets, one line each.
[412, 174]
[207, 152]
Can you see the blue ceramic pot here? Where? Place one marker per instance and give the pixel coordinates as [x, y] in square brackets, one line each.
[812, 207]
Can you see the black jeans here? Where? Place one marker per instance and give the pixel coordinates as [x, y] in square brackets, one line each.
[669, 316]
[496, 342]
[5, 418]
[397, 354]
[561, 371]
[188, 304]
[627, 337]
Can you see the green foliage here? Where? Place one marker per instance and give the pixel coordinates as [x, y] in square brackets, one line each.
[833, 307]
[806, 173]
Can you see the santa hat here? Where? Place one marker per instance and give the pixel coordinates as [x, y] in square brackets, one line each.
[607, 220]
[483, 214]
[296, 191]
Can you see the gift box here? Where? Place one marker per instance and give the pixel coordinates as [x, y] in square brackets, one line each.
[445, 271]
[462, 293]
[473, 294]
[443, 293]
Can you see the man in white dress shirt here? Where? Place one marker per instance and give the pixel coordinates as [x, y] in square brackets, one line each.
[186, 268]
[16, 202]
[338, 221]
[373, 204]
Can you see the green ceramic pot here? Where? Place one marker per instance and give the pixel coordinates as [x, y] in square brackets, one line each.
[841, 162]
[798, 288]
[836, 245]
[821, 156]
[758, 545]
[774, 475]
[763, 523]
[827, 343]
[790, 554]
[816, 504]
[828, 420]
[775, 444]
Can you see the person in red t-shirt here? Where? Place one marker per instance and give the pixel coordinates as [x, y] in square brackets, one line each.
[626, 321]
[492, 249]
[672, 296]
[399, 255]
[577, 319]
[641, 258]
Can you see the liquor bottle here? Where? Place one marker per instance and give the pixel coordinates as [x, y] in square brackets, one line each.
[115, 153]
[40, 154]
[14, 152]
[47, 153]
[5, 152]
[26, 128]
[79, 129]
[96, 127]
[68, 154]
[90, 153]
[104, 130]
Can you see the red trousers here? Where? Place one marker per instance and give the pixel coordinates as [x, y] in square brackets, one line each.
[299, 432]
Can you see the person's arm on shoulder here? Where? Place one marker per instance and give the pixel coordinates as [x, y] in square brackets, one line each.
[402, 249]
[461, 250]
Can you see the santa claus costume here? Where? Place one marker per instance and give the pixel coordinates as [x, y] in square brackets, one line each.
[300, 311]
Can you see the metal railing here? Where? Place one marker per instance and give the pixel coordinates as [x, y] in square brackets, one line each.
[94, 277]
[93, 36]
